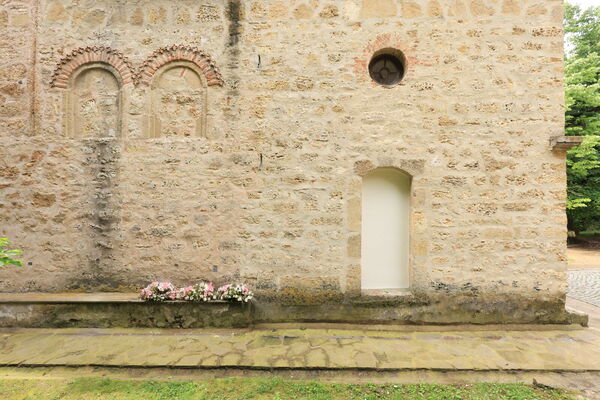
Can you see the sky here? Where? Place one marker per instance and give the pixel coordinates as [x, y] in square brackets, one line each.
[585, 3]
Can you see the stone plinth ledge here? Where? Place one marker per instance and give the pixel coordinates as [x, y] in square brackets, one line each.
[76, 298]
[564, 143]
[126, 310]
[111, 310]
[68, 298]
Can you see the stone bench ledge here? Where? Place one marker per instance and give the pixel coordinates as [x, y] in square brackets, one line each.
[117, 310]
[76, 298]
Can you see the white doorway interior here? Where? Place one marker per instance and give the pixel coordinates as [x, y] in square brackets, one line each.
[385, 229]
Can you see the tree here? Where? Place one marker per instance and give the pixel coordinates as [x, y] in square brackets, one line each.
[582, 116]
[6, 255]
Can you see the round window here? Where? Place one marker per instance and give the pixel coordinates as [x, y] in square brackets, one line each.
[386, 69]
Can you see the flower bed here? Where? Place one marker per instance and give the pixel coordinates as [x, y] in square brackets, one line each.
[200, 292]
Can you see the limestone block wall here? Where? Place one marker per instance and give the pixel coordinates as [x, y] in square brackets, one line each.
[241, 131]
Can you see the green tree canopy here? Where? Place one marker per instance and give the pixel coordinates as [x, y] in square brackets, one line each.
[582, 115]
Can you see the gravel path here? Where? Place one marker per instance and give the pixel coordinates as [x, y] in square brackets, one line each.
[584, 285]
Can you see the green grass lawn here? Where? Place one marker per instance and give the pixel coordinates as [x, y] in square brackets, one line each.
[589, 233]
[238, 388]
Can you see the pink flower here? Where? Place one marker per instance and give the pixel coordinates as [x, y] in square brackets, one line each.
[160, 291]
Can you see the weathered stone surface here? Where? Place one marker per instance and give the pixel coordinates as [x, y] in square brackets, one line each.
[299, 299]
[329, 11]
[102, 311]
[43, 200]
[303, 11]
[410, 9]
[537, 9]
[251, 170]
[378, 8]
[422, 348]
[434, 9]
[3, 19]
[480, 8]
[511, 7]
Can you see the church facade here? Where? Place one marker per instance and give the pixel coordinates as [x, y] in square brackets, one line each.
[350, 160]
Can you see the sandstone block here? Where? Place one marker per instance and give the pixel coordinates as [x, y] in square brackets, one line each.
[19, 19]
[278, 10]
[410, 9]
[157, 15]
[13, 89]
[303, 11]
[479, 8]
[353, 280]
[537, 9]
[511, 7]
[378, 8]
[354, 246]
[363, 167]
[329, 11]
[13, 72]
[10, 109]
[445, 121]
[43, 199]
[56, 12]
[3, 19]
[354, 214]
[434, 9]
[457, 8]
[137, 17]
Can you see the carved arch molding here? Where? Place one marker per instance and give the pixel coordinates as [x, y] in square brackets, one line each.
[126, 72]
[177, 76]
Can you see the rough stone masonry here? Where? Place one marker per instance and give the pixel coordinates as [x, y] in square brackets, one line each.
[226, 140]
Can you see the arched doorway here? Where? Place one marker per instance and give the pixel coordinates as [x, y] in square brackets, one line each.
[385, 229]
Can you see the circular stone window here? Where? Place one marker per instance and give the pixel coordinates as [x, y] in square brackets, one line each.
[387, 67]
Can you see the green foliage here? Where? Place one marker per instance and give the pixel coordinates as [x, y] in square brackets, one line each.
[582, 95]
[582, 116]
[590, 233]
[264, 389]
[582, 29]
[6, 255]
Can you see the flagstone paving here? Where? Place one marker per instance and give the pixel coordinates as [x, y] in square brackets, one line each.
[551, 349]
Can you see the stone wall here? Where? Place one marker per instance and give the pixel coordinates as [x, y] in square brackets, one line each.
[246, 162]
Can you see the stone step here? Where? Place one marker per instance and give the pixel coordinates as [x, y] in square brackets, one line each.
[574, 350]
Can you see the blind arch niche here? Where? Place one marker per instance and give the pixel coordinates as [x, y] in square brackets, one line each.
[94, 103]
[179, 101]
[385, 229]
